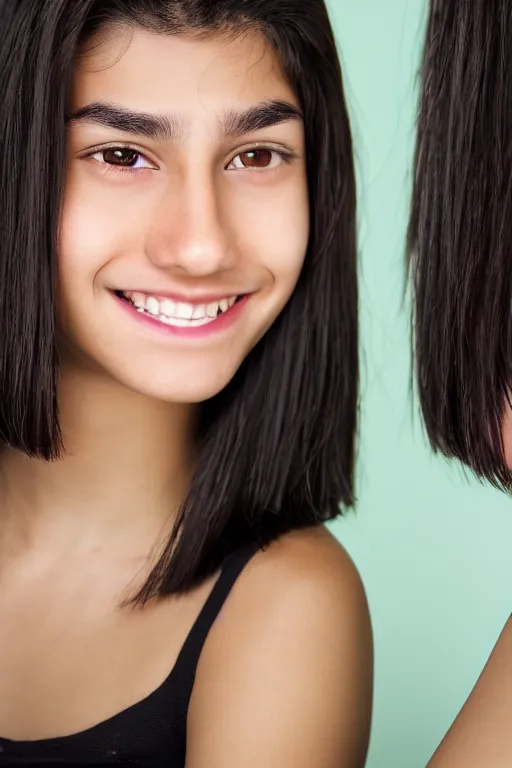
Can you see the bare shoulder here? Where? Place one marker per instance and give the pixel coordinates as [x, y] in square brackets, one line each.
[310, 557]
[305, 575]
[294, 644]
[481, 734]
[312, 567]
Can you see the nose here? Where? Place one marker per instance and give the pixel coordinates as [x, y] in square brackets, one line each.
[190, 229]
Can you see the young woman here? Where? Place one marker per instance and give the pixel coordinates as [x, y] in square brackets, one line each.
[178, 379]
[461, 260]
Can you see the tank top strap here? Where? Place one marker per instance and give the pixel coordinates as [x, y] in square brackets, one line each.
[188, 658]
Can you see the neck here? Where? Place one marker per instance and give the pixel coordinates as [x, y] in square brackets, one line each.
[124, 472]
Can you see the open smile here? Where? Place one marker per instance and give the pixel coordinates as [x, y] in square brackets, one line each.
[180, 317]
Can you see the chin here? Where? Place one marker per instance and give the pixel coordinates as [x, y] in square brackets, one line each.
[177, 389]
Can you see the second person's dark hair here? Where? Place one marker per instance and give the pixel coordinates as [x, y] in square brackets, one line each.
[460, 233]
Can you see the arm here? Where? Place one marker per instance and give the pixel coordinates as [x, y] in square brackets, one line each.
[286, 681]
[482, 734]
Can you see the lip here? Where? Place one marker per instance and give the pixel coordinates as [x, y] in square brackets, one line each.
[221, 324]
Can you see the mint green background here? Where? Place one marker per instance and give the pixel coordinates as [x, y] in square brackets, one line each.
[432, 545]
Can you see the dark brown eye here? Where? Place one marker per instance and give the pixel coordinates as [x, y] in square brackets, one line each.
[120, 156]
[256, 158]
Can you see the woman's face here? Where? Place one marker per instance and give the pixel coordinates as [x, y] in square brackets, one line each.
[186, 189]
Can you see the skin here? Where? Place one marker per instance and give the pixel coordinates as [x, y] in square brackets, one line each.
[481, 734]
[191, 226]
[77, 535]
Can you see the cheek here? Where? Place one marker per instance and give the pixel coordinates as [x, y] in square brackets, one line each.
[84, 231]
[88, 239]
[84, 235]
[94, 227]
[279, 228]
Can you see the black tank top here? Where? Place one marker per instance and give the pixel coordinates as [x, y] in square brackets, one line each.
[151, 733]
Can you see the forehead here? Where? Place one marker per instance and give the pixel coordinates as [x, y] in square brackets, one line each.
[153, 72]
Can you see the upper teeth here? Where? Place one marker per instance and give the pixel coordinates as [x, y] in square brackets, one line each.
[178, 309]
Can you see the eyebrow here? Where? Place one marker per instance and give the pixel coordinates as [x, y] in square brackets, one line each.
[233, 124]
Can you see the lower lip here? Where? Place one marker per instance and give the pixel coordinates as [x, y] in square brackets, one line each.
[221, 323]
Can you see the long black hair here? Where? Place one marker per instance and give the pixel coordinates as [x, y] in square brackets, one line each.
[277, 445]
[460, 232]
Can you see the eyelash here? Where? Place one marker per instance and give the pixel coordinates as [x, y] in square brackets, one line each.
[108, 168]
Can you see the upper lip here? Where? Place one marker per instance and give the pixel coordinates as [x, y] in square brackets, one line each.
[200, 298]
